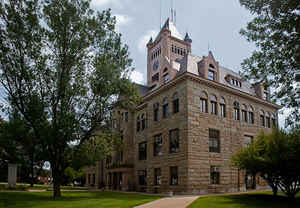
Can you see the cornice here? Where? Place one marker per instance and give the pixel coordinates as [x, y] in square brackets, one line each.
[209, 83]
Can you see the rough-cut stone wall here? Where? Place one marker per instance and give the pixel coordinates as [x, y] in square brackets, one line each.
[232, 134]
[193, 159]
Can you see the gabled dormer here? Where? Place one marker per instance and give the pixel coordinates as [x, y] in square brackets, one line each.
[164, 53]
[209, 68]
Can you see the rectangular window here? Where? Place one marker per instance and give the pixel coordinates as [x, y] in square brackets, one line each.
[247, 140]
[273, 121]
[126, 116]
[143, 123]
[223, 110]
[94, 179]
[214, 141]
[142, 174]
[236, 114]
[173, 176]
[211, 75]
[143, 151]
[138, 125]
[262, 120]
[166, 78]
[251, 117]
[174, 140]
[176, 106]
[213, 106]
[203, 105]
[157, 176]
[155, 114]
[157, 150]
[165, 110]
[244, 116]
[214, 175]
[268, 122]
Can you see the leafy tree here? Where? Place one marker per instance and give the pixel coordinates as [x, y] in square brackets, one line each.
[20, 146]
[276, 158]
[276, 32]
[62, 66]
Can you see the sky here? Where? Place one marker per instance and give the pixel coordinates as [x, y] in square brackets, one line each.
[212, 24]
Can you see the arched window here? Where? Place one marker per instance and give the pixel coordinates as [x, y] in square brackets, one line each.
[138, 124]
[203, 102]
[236, 111]
[268, 120]
[213, 105]
[155, 111]
[175, 102]
[165, 70]
[262, 118]
[244, 113]
[223, 107]
[211, 66]
[165, 108]
[143, 121]
[274, 120]
[251, 115]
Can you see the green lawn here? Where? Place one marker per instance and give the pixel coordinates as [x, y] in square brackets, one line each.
[72, 200]
[250, 200]
[40, 187]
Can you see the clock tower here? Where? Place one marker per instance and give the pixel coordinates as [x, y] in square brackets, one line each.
[165, 53]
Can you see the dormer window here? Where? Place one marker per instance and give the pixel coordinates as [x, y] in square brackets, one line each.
[211, 75]
[166, 78]
[234, 81]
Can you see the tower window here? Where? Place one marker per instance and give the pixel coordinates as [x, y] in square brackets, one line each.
[211, 75]
[166, 78]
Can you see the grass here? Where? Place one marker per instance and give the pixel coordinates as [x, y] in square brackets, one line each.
[24, 187]
[72, 200]
[250, 200]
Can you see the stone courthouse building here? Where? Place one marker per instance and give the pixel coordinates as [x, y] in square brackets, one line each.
[194, 115]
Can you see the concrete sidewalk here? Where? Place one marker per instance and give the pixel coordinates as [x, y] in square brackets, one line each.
[171, 202]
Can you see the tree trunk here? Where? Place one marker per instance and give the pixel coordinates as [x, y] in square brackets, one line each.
[275, 190]
[32, 172]
[57, 176]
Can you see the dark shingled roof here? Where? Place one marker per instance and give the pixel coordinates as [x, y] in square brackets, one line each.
[142, 89]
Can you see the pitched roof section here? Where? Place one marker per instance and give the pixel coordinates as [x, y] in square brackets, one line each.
[143, 90]
[169, 25]
[192, 63]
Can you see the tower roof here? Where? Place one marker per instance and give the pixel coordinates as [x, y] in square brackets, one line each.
[169, 25]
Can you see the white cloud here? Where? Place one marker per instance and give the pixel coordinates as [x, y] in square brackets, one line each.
[137, 77]
[122, 20]
[101, 3]
[145, 38]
